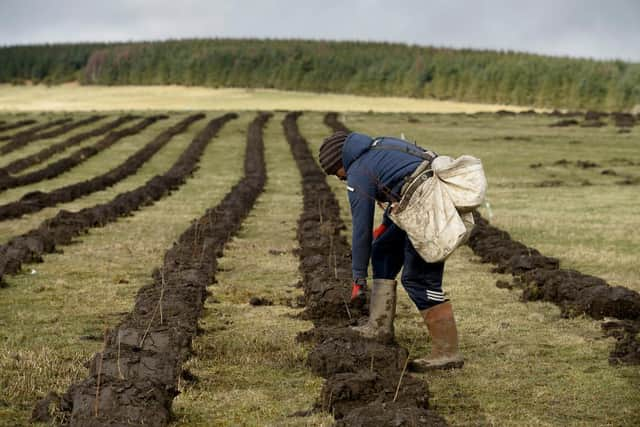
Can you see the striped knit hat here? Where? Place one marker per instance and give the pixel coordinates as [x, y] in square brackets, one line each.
[331, 152]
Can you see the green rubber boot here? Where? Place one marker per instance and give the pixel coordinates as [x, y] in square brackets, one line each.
[382, 310]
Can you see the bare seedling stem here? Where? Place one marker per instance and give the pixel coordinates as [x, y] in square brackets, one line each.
[202, 252]
[118, 359]
[153, 316]
[96, 407]
[348, 311]
[404, 369]
[161, 293]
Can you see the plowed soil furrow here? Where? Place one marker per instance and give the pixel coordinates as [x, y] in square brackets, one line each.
[19, 165]
[27, 134]
[135, 378]
[20, 143]
[575, 293]
[79, 156]
[61, 229]
[331, 120]
[36, 201]
[366, 383]
[10, 126]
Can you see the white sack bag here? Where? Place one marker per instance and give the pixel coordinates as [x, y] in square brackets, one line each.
[430, 215]
[464, 178]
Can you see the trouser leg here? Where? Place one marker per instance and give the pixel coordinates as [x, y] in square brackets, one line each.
[421, 279]
[387, 251]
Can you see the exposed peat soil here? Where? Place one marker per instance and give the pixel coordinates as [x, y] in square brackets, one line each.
[10, 126]
[593, 119]
[22, 142]
[564, 123]
[29, 133]
[587, 164]
[134, 379]
[65, 226]
[624, 120]
[38, 200]
[558, 113]
[366, 380]
[79, 156]
[541, 278]
[23, 163]
[331, 120]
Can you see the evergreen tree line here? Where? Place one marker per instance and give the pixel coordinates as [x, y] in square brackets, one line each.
[362, 68]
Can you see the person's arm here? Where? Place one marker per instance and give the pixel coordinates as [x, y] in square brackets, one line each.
[362, 190]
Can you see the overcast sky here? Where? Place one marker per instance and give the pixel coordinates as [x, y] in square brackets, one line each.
[585, 28]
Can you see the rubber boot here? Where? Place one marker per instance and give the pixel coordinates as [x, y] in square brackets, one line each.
[444, 340]
[382, 310]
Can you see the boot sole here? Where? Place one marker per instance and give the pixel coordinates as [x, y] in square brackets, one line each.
[377, 336]
[416, 366]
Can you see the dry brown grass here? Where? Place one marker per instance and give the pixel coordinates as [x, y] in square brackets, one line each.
[71, 97]
[525, 364]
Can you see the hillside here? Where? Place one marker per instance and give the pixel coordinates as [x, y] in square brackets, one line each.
[362, 68]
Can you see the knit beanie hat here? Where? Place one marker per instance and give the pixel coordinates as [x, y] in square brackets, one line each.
[331, 152]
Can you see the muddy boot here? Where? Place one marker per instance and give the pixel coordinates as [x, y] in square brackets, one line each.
[382, 310]
[444, 340]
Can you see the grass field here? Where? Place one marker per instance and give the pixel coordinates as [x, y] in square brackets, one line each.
[525, 365]
[72, 97]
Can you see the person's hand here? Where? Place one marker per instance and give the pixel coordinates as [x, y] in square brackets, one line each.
[358, 291]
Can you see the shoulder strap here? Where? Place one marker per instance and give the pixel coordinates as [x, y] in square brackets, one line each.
[407, 149]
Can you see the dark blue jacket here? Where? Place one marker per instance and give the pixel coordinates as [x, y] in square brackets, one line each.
[371, 175]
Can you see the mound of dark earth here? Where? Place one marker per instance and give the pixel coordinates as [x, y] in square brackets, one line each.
[594, 115]
[15, 125]
[543, 279]
[623, 119]
[331, 120]
[28, 134]
[39, 200]
[63, 165]
[592, 124]
[17, 143]
[23, 163]
[564, 123]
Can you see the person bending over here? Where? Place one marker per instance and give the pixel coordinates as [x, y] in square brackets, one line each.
[376, 171]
